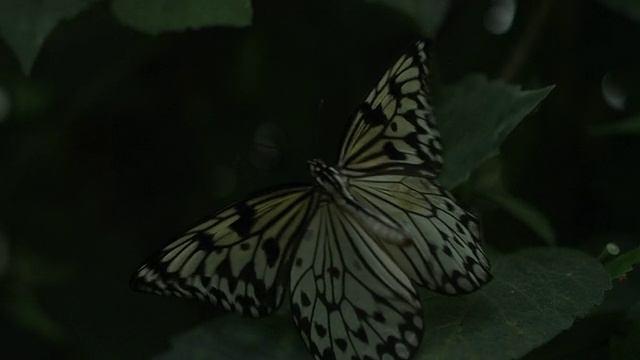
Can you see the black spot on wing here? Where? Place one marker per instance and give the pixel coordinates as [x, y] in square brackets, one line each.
[379, 317]
[373, 117]
[450, 206]
[361, 335]
[334, 272]
[204, 241]
[305, 300]
[246, 218]
[434, 145]
[392, 152]
[246, 302]
[412, 140]
[301, 321]
[271, 250]
[395, 89]
[412, 118]
[320, 330]
[361, 314]
[341, 343]
[328, 354]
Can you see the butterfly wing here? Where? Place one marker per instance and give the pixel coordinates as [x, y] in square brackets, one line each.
[395, 128]
[236, 259]
[445, 253]
[349, 299]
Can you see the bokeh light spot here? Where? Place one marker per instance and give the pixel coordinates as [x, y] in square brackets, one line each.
[265, 151]
[498, 18]
[613, 93]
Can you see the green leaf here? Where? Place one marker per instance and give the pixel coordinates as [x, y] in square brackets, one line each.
[630, 8]
[623, 263]
[158, 16]
[627, 126]
[25, 24]
[535, 294]
[30, 272]
[525, 212]
[474, 118]
[237, 338]
[26, 310]
[428, 14]
[625, 345]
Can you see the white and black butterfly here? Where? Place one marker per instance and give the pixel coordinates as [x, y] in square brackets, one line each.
[346, 249]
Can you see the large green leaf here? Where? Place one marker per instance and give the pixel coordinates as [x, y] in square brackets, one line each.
[525, 212]
[158, 16]
[25, 24]
[535, 294]
[474, 118]
[238, 338]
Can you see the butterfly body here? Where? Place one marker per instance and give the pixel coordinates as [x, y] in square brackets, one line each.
[348, 249]
[336, 186]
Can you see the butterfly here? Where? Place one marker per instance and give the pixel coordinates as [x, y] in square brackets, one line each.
[347, 250]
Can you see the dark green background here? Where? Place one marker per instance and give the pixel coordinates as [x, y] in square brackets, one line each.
[116, 140]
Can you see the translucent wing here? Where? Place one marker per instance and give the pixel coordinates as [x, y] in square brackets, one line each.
[395, 127]
[349, 299]
[237, 259]
[445, 253]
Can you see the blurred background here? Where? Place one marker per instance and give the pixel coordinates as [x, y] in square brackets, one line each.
[119, 140]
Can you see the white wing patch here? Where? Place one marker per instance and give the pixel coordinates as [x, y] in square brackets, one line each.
[349, 299]
[445, 254]
[238, 258]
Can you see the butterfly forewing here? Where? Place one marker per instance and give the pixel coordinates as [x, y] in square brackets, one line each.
[394, 129]
[236, 259]
[349, 299]
[445, 253]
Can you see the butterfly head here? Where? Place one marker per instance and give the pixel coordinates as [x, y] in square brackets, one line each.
[326, 176]
[316, 166]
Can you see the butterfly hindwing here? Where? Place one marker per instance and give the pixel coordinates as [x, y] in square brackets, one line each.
[237, 259]
[394, 129]
[349, 299]
[445, 253]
